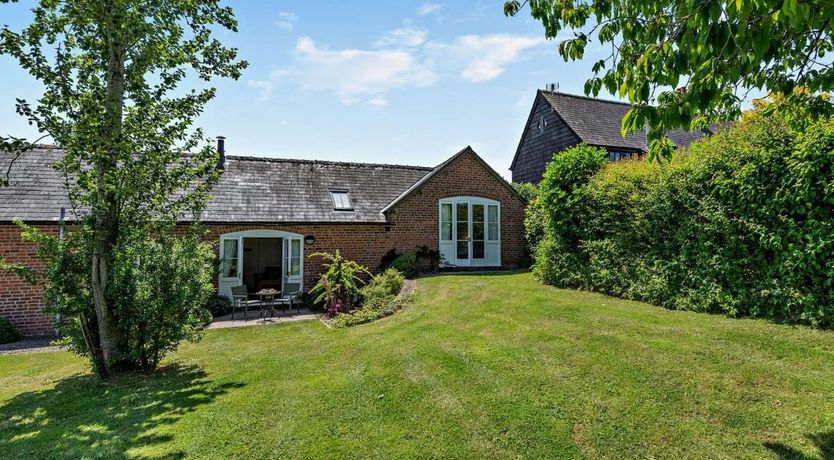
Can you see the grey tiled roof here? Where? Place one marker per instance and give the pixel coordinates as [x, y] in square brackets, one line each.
[598, 122]
[250, 190]
[36, 192]
[440, 167]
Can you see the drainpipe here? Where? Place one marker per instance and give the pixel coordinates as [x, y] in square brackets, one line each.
[61, 226]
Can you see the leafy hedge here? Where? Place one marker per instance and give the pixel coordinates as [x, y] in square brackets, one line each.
[741, 223]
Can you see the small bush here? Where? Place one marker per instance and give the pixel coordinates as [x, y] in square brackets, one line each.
[218, 305]
[378, 306]
[8, 333]
[338, 286]
[388, 258]
[360, 316]
[428, 259]
[388, 283]
[405, 264]
[206, 317]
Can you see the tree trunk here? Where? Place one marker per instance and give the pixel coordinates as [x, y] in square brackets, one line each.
[113, 343]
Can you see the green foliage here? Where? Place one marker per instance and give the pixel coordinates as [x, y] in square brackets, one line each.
[338, 286]
[387, 258]
[428, 258]
[387, 283]
[528, 190]
[25, 273]
[379, 299]
[8, 333]
[554, 211]
[113, 74]
[363, 315]
[561, 188]
[740, 224]
[719, 51]
[405, 264]
[162, 286]
[218, 305]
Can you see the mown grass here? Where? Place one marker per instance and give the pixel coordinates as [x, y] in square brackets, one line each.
[480, 366]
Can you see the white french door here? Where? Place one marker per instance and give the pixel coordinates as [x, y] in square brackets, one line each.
[231, 264]
[293, 266]
[231, 258]
[470, 232]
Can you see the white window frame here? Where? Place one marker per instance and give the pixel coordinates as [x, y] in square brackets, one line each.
[224, 283]
[344, 193]
[448, 248]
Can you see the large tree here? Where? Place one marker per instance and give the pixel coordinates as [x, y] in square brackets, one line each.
[113, 72]
[688, 63]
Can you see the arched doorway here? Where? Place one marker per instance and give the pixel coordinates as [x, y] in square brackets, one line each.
[260, 259]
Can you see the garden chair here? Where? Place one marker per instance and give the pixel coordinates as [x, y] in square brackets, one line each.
[240, 299]
[291, 295]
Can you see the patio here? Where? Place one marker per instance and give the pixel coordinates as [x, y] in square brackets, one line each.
[255, 318]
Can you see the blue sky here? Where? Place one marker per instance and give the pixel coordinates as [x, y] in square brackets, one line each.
[408, 82]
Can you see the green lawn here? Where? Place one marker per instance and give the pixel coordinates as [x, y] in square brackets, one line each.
[493, 366]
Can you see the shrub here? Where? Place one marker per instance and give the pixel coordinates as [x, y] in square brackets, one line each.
[427, 258]
[218, 305]
[739, 224]
[527, 190]
[388, 283]
[387, 258]
[8, 333]
[164, 285]
[359, 316]
[338, 286]
[405, 264]
[205, 316]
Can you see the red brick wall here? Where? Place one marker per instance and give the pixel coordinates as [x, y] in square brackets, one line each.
[20, 302]
[411, 224]
[364, 243]
[415, 219]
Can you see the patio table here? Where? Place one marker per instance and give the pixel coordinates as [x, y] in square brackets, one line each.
[267, 299]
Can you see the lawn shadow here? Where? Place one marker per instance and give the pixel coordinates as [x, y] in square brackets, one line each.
[84, 417]
[823, 441]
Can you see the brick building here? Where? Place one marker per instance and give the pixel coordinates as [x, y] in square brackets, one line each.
[267, 215]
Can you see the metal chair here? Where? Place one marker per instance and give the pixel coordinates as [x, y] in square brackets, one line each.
[291, 294]
[240, 298]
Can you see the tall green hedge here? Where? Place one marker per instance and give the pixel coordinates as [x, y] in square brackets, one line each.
[741, 223]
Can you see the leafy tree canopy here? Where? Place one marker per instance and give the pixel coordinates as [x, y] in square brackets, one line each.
[113, 73]
[688, 63]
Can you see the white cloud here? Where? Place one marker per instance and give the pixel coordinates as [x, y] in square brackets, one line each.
[429, 8]
[267, 87]
[286, 21]
[401, 58]
[485, 57]
[405, 36]
[356, 75]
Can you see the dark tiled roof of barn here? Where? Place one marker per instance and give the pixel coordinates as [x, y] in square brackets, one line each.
[250, 190]
[598, 122]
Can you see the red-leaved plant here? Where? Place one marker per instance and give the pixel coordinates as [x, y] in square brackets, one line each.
[339, 285]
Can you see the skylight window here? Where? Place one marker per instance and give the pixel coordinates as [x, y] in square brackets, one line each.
[341, 200]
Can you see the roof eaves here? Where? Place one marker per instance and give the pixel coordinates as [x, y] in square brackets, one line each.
[442, 166]
[527, 126]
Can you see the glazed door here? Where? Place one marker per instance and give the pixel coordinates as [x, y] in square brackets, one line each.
[293, 260]
[231, 265]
